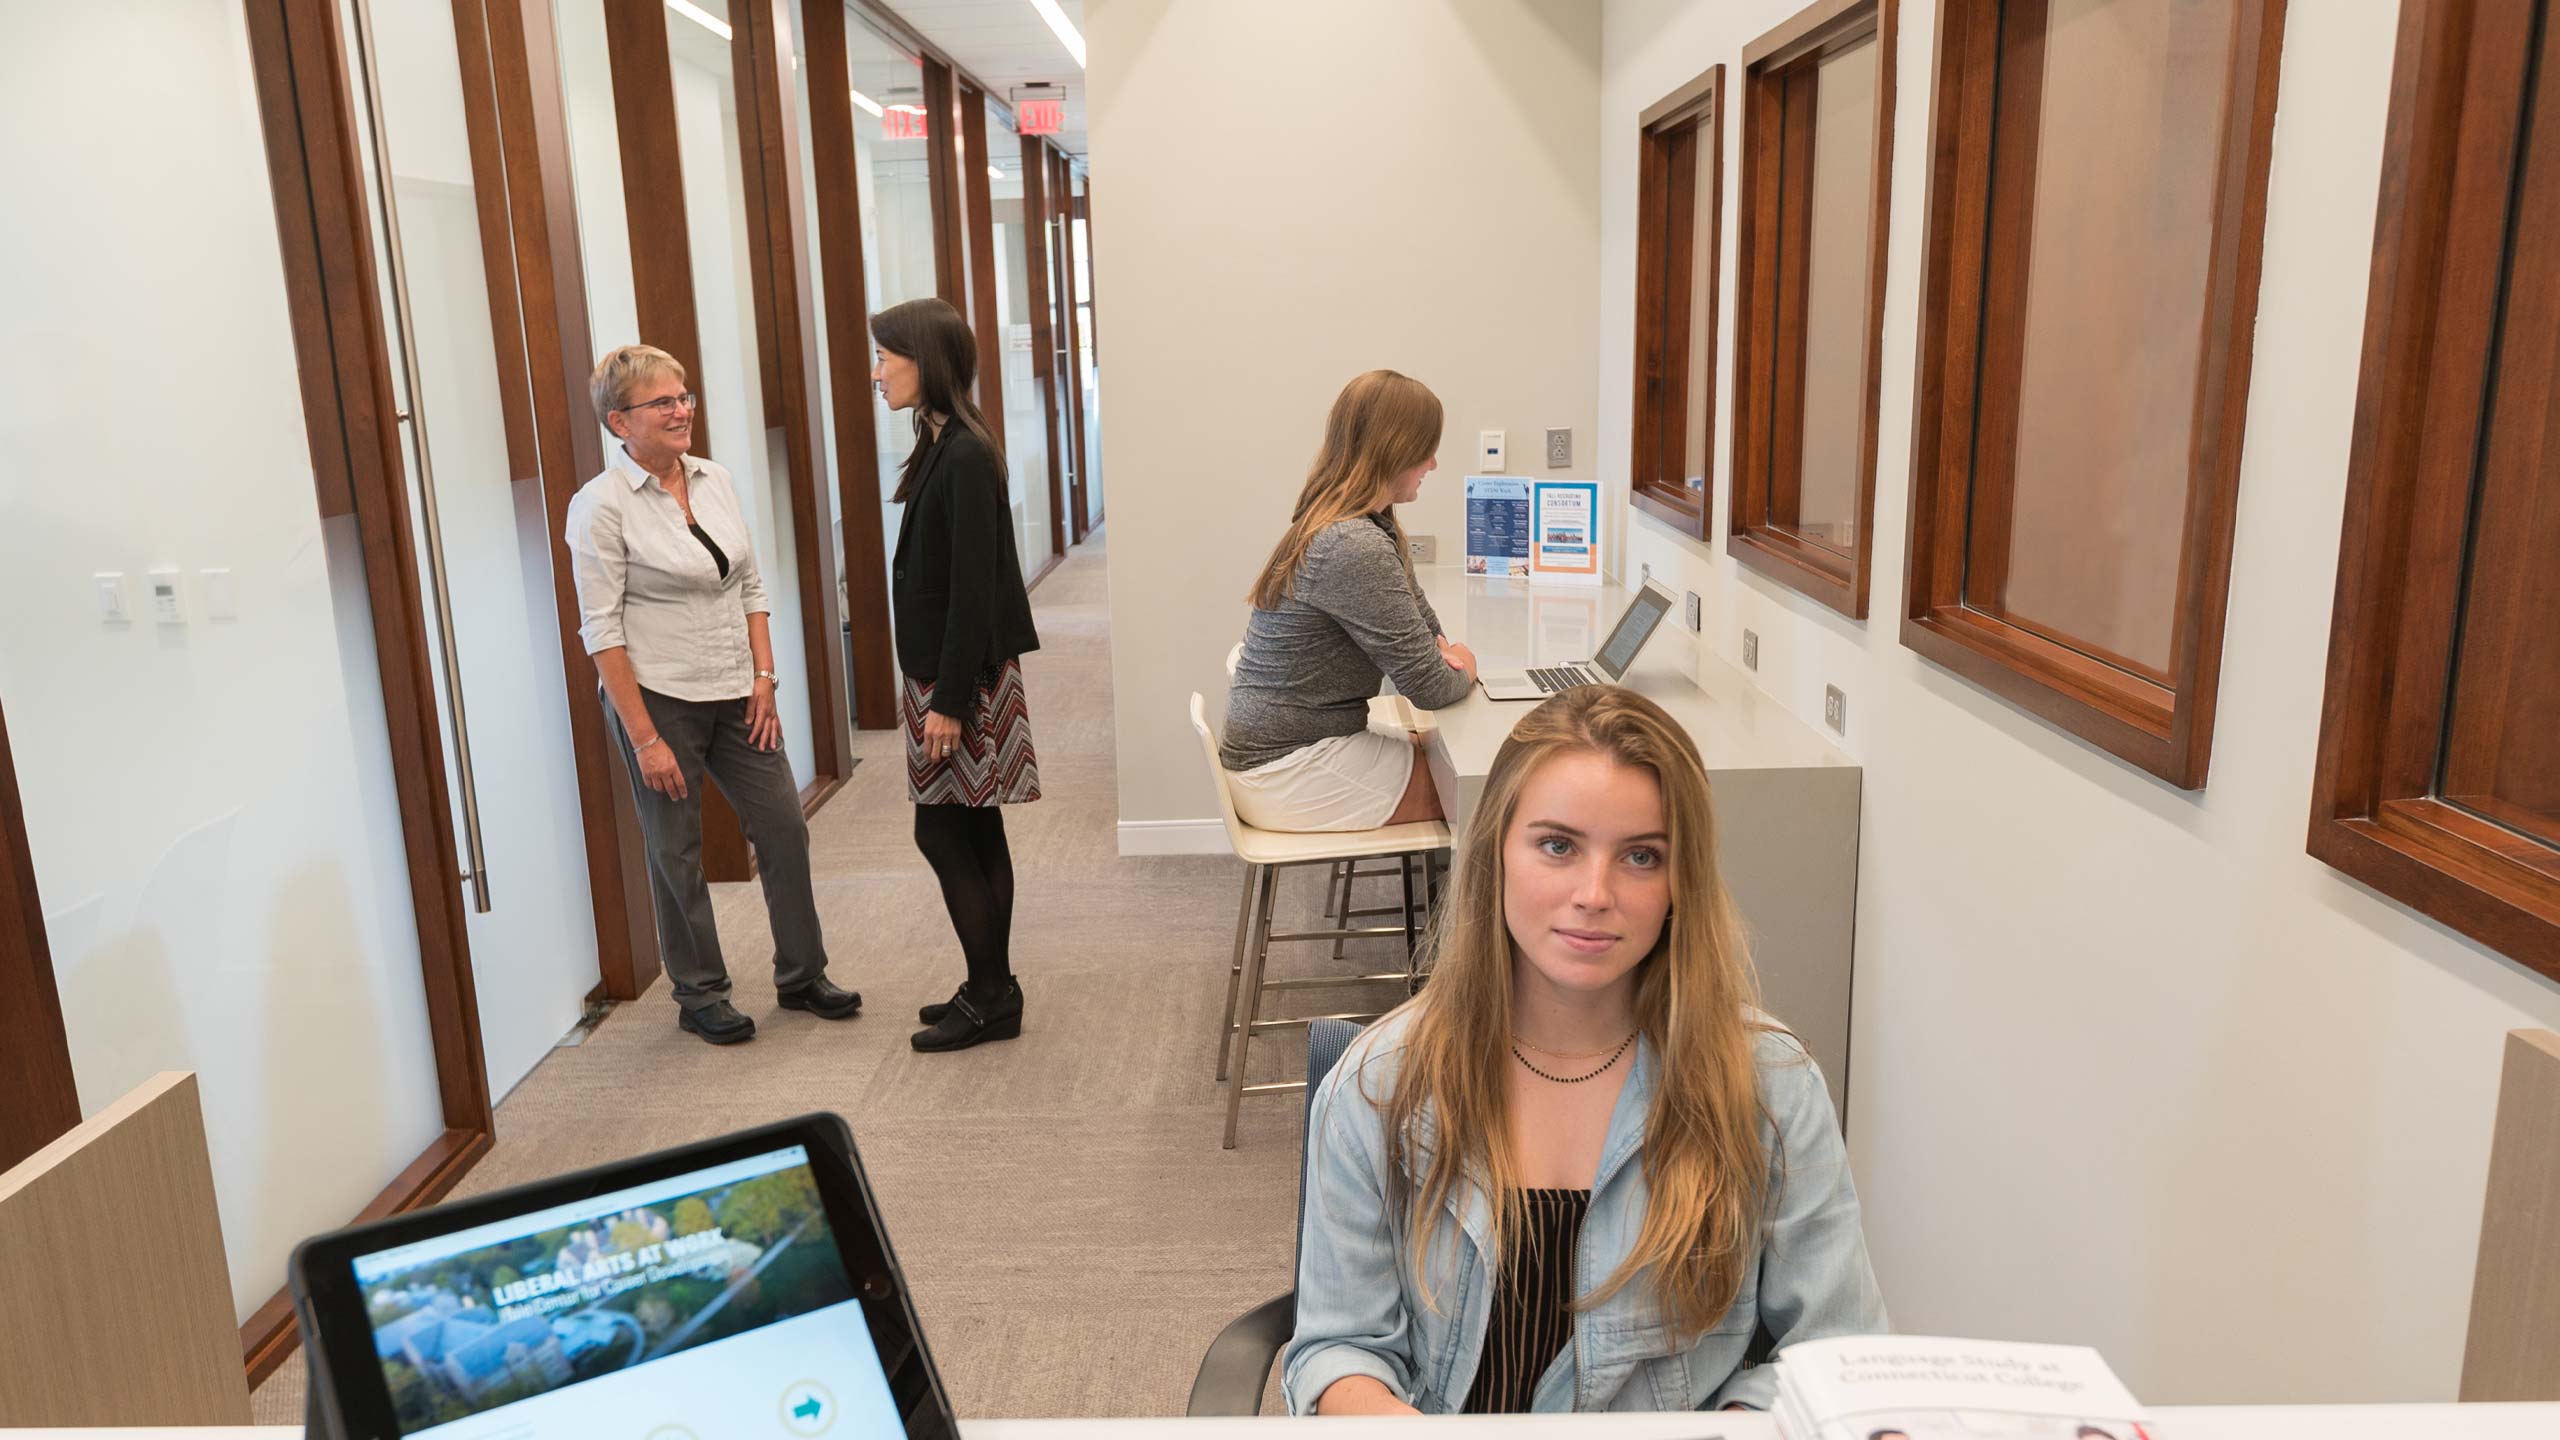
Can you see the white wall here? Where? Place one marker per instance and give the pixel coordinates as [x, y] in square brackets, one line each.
[1286, 196]
[210, 806]
[2130, 1068]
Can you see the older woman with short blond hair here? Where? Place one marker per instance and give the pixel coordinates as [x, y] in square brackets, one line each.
[673, 612]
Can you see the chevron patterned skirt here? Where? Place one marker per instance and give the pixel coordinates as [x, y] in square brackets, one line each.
[995, 764]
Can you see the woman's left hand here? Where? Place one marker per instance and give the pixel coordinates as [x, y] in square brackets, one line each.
[764, 727]
[941, 735]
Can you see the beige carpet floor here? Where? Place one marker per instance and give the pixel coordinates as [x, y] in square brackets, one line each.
[1074, 1234]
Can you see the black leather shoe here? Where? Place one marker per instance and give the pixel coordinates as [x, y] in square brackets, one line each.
[932, 1014]
[971, 1021]
[823, 998]
[718, 1022]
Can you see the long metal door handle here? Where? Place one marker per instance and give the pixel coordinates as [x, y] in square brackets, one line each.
[416, 419]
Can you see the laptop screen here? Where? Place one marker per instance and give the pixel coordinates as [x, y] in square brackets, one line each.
[704, 1305]
[1634, 628]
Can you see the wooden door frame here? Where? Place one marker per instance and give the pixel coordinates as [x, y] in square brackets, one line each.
[662, 285]
[39, 1102]
[838, 205]
[981, 241]
[299, 63]
[1037, 221]
[1086, 516]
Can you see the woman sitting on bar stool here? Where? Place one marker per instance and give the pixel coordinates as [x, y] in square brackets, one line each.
[1336, 611]
[1582, 1170]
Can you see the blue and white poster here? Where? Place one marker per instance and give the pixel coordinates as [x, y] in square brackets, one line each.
[1497, 525]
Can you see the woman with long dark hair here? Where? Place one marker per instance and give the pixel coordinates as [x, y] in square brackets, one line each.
[963, 624]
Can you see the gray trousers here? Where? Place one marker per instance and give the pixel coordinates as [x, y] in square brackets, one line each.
[709, 737]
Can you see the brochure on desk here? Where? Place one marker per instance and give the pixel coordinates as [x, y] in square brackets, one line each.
[1917, 1387]
[1497, 525]
[1564, 543]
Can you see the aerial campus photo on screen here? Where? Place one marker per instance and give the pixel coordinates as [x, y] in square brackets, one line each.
[468, 1332]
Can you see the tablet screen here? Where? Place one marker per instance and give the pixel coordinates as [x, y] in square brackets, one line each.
[707, 1304]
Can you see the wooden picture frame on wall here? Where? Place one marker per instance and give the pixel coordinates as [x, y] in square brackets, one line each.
[2441, 660]
[1790, 516]
[2151, 273]
[1679, 239]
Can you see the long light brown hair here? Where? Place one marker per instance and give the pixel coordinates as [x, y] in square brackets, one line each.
[1696, 1005]
[1383, 424]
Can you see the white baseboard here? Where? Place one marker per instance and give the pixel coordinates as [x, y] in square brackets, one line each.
[1174, 837]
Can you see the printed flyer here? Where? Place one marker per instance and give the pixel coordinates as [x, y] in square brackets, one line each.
[1497, 525]
[1565, 544]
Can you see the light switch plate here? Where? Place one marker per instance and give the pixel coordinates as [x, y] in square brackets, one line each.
[115, 605]
[1750, 649]
[1559, 447]
[1489, 452]
[1835, 709]
[221, 596]
[1697, 621]
[1425, 549]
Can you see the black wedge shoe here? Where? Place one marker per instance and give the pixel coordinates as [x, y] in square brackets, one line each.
[969, 1021]
[932, 1014]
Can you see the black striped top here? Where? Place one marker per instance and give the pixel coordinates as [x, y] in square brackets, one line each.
[1532, 1320]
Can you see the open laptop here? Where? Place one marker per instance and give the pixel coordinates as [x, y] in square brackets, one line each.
[735, 1287]
[1634, 627]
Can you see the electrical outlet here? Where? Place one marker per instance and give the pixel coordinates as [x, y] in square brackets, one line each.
[1750, 649]
[1835, 709]
[1559, 447]
[1696, 622]
[1424, 549]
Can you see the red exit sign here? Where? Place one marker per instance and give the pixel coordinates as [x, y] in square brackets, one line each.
[903, 122]
[1040, 117]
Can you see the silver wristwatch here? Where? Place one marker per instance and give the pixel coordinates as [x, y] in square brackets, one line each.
[770, 678]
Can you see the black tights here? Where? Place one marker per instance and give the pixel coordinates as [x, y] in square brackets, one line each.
[965, 845]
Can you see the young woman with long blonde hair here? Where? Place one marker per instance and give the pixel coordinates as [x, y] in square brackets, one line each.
[1581, 1170]
[1335, 611]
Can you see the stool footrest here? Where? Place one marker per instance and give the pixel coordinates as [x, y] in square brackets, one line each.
[1277, 1087]
[1366, 932]
[1302, 1021]
[1319, 982]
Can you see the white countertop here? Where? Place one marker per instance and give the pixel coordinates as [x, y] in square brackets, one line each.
[2267, 1422]
[1511, 623]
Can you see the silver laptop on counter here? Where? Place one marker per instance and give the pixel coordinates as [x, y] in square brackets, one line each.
[1634, 627]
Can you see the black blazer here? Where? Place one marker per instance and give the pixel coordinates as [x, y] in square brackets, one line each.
[957, 581]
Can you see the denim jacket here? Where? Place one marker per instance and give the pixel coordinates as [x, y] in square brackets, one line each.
[1361, 1312]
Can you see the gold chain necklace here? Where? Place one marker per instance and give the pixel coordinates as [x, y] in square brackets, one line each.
[1562, 1054]
[1574, 1079]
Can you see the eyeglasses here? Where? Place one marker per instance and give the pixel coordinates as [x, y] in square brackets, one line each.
[667, 405]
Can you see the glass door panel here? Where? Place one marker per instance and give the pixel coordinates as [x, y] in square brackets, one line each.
[483, 544]
[895, 189]
[1026, 418]
[746, 437]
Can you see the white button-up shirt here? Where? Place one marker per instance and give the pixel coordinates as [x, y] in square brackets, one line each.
[646, 584]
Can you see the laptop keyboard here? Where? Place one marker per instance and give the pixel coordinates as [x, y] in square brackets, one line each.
[1559, 678]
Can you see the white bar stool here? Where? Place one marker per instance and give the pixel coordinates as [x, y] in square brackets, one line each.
[1265, 854]
[1388, 715]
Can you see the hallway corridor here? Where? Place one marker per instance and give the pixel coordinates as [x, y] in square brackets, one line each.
[1074, 1234]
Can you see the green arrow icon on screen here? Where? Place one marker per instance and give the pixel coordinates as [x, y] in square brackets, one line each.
[805, 1410]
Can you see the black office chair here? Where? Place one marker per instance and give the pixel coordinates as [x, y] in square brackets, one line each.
[1238, 1366]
